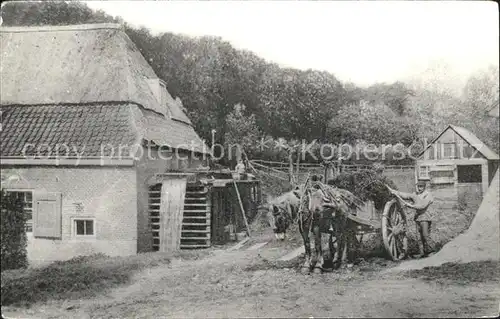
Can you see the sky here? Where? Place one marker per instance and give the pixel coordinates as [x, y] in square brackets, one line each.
[358, 41]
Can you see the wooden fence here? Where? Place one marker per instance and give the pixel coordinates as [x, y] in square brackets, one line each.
[283, 167]
[402, 175]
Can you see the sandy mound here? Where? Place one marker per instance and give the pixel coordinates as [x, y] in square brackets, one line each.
[480, 242]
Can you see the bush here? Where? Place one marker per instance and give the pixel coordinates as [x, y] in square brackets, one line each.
[13, 235]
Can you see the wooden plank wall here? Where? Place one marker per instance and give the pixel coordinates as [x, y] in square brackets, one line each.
[171, 213]
[221, 215]
[226, 208]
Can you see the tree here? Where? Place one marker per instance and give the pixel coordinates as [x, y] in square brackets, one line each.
[480, 94]
[373, 123]
[52, 13]
[432, 112]
[394, 95]
[242, 134]
[436, 76]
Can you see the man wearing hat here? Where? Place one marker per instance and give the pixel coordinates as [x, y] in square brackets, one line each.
[422, 200]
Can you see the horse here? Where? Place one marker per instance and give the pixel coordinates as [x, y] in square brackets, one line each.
[283, 211]
[327, 213]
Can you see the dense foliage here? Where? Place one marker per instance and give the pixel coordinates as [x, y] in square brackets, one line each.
[13, 237]
[285, 105]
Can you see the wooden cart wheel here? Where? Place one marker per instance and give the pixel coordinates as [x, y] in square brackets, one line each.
[394, 230]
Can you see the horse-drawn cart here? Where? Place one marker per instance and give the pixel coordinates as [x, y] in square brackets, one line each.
[342, 217]
[352, 221]
[393, 226]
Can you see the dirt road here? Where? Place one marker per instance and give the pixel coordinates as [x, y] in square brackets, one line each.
[252, 283]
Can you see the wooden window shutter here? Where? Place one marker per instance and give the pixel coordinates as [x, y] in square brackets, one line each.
[47, 215]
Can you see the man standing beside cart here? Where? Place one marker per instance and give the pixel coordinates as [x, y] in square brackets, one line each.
[424, 214]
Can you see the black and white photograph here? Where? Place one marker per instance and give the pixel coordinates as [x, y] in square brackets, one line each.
[249, 159]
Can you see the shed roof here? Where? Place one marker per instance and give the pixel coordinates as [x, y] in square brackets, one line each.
[473, 140]
[470, 138]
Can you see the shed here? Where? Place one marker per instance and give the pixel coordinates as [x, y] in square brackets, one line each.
[213, 208]
[458, 166]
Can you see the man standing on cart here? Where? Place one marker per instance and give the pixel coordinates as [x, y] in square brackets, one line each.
[424, 214]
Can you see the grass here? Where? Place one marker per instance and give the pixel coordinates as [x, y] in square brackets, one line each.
[80, 277]
[472, 272]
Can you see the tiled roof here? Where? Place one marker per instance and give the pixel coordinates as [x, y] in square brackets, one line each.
[89, 130]
[82, 128]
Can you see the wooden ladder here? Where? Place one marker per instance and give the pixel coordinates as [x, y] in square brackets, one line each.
[196, 221]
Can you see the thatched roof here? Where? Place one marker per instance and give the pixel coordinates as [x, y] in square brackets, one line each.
[81, 64]
[167, 132]
[78, 63]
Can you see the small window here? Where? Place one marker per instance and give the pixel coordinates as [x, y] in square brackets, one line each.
[448, 150]
[84, 227]
[27, 198]
[467, 151]
[423, 172]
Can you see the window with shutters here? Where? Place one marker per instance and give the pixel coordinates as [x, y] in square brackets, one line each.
[84, 227]
[27, 197]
